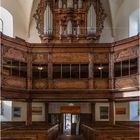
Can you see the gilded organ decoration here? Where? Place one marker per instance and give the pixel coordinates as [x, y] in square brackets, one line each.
[69, 20]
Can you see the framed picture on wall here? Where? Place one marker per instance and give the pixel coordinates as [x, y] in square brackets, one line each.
[17, 112]
[36, 110]
[104, 112]
[120, 111]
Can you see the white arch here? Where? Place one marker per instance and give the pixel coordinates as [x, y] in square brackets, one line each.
[134, 24]
[1, 25]
[7, 19]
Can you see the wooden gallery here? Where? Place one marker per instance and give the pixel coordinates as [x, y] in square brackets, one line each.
[70, 70]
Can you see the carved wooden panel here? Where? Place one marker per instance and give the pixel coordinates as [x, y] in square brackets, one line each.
[40, 84]
[14, 82]
[40, 58]
[70, 58]
[126, 54]
[101, 58]
[14, 54]
[70, 84]
[127, 82]
[101, 84]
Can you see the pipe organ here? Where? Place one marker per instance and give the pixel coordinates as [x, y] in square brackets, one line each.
[69, 20]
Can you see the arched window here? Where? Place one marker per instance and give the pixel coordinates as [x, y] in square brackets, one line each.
[1, 25]
[6, 22]
[134, 25]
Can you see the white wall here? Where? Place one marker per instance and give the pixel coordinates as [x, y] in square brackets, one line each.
[123, 117]
[106, 36]
[131, 110]
[97, 111]
[23, 107]
[122, 18]
[19, 21]
[39, 117]
[7, 114]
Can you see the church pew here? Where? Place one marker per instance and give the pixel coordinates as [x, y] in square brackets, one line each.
[108, 132]
[35, 132]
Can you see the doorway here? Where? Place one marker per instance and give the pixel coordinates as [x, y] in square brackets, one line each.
[71, 124]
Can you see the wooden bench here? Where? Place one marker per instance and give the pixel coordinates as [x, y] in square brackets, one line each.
[109, 132]
[34, 132]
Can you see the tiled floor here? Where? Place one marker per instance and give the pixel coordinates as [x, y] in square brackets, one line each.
[63, 137]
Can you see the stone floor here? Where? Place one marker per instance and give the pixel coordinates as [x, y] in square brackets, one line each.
[64, 137]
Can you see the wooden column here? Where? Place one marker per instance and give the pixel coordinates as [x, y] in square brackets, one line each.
[29, 69]
[111, 70]
[50, 71]
[93, 112]
[29, 113]
[90, 56]
[112, 112]
[46, 112]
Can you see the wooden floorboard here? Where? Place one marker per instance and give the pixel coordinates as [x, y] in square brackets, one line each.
[64, 137]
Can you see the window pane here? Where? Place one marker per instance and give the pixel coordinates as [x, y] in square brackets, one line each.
[7, 67]
[56, 71]
[75, 71]
[96, 71]
[44, 71]
[104, 112]
[23, 69]
[65, 71]
[117, 69]
[35, 71]
[15, 68]
[105, 71]
[133, 66]
[84, 71]
[125, 68]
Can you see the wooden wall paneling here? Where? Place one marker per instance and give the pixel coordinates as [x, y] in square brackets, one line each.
[101, 58]
[70, 84]
[90, 55]
[93, 112]
[40, 58]
[29, 70]
[111, 70]
[16, 54]
[46, 112]
[29, 113]
[40, 84]
[50, 71]
[126, 54]
[112, 112]
[70, 57]
[100, 83]
[14, 82]
[127, 82]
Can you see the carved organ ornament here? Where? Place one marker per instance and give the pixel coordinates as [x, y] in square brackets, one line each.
[69, 20]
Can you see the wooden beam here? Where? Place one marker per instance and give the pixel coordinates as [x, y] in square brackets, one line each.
[29, 113]
[112, 112]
